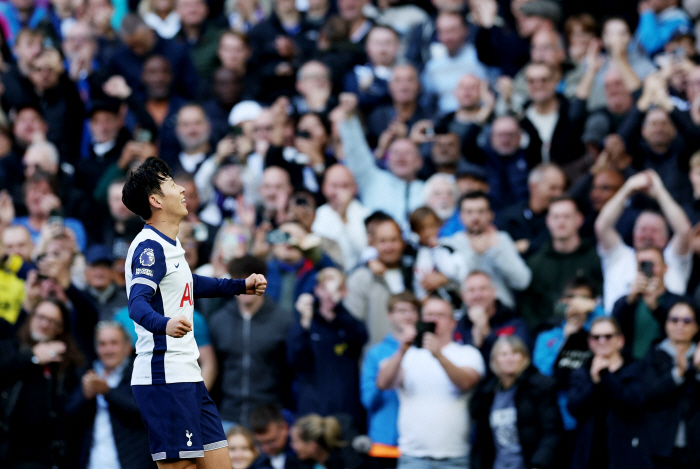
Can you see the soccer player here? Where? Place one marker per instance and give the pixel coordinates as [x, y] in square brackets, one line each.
[183, 423]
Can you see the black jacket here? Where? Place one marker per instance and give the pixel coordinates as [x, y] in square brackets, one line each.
[669, 402]
[538, 420]
[130, 436]
[612, 408]
[252, 358]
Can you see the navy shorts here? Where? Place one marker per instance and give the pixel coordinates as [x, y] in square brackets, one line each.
[181, 419]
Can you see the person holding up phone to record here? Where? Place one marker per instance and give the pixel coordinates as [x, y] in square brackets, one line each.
[642, 312]
[434, 377]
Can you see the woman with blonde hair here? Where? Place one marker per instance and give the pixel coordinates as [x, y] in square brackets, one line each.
[318, 440]
[515, 411]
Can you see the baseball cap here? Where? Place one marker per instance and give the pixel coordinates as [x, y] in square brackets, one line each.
[244, 111]
[547, 9]
[99, 254]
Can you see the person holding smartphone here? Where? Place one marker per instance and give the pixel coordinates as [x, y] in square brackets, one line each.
[643, 311]
[434, 384]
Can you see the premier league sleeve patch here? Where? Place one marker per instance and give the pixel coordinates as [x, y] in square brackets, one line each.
[147, 258]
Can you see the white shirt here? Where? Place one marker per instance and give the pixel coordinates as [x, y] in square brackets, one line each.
[433, 412]
[545, 125]
[351, 236]
[103, 453]
[159, 262]
[189, 162]
[619, 266]
[166, 28]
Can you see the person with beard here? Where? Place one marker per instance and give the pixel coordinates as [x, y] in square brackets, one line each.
[193, 132]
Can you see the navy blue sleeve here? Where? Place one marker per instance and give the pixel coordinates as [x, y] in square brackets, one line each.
[141, 311]
[207, 287]
[147, 270]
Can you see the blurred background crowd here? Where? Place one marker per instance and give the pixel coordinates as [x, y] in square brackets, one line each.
[479, 221]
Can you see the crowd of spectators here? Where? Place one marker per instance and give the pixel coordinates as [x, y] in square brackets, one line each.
[479, 221]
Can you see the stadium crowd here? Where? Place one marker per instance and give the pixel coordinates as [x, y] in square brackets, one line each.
[479, 221]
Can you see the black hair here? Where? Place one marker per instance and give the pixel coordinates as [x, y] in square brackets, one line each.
[472, 196]
[142, 183]
[580, 281]
[262, 416]
[377, 216]
[245, 266]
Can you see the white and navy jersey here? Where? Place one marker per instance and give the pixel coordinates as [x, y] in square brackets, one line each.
[161, 286]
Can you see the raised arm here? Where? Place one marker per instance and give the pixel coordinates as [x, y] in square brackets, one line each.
[605, 231]
[674, 214]
[389, 375]
[358, 156]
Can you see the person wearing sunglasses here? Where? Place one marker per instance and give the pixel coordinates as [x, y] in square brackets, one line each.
[672, 382]
[607, 399]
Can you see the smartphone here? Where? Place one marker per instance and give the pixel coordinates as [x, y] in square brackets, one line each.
[430, 132]
[143, 136]
[303, 134]
[236, 131]
[276, 237]
[421, 329]
[647, 268]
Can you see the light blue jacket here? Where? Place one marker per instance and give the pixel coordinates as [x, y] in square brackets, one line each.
[655, 30]
[382, 406]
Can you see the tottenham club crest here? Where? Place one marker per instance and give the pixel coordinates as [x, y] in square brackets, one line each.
[147, 258]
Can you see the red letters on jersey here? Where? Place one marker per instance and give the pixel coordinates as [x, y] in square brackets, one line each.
[186, 296]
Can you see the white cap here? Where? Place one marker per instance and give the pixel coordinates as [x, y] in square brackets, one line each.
[244, 111]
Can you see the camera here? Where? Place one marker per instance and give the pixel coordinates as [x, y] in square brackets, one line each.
[276, 237]
[647, 268]
[421, 329]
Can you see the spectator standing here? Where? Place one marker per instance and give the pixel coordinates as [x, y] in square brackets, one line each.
[272, 435]
[517, 421]
[99, 275]
[434, 384]
[324, 348]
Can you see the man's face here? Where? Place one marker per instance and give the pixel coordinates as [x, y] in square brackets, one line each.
[656, 259]
[173, 199]
[658, 130]
[478, 291]
[313, 76]
[446, 149]
[17, 240]
[618, 99]
[388, 242]
[117, 209]
[37, 158]
[382, 46]
[79, 41]
[99, 276]
[650, 231]
[693, 84]
[192, 12]
[442, 200]
[468, 92]
[563, 220]
[337, 185]
[273, 440]
[476, 215]
[440, 312]
[541, 85]
[275, 188]
[552, 185]
[605, 185]
[141, 42]
[104, 126]
[34, 197]
[546, 47]
[404, 85]
[28, 123]
[226, 86]
[264, 125]
[27, 48]
[403, 314]
[157, 78]
[192, 194]
[451, 32]
[505, 136]
[45, 70]
[403, 159]
[288, 252]
[192, 129]
[351, 10]
[112, 347]
[232, 52]
[228, 180]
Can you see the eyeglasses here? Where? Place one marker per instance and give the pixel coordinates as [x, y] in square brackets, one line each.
[676, 320]
[599, 337]
[50, 321]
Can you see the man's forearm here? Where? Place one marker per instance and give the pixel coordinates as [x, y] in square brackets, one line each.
[207, 287]
[463, 379]
[389, 370]
[608, 217]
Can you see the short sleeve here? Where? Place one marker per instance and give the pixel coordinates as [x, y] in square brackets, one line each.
[201, 330]
[148, 264]
[470, 357]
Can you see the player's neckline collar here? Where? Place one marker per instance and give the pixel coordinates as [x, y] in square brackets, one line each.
[170, 240]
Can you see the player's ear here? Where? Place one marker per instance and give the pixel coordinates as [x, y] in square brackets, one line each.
[155, 201]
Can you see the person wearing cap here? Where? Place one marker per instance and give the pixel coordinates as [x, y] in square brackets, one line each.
[507, 46]
[658, 21]
[99, 275]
